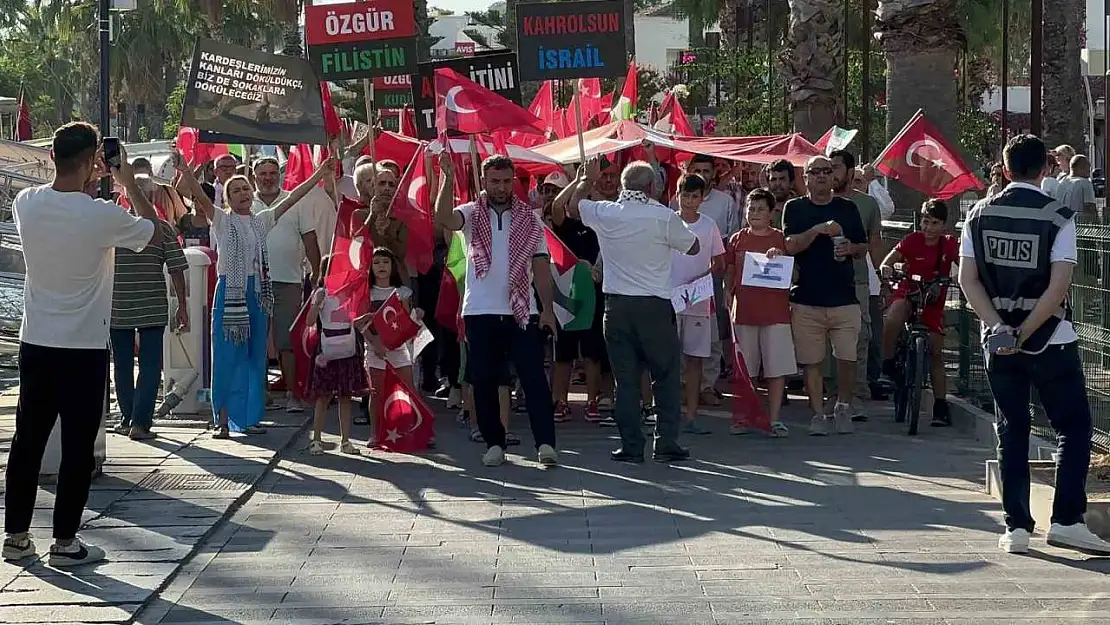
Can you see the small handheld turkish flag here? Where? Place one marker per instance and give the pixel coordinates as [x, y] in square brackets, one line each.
[747, 409]
[921, 158]
[305, 341]
[406, 422]
[393, 323]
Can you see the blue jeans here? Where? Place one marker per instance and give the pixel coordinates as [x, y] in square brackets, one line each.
[136, 401]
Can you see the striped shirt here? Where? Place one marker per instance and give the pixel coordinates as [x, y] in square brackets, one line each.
[139, 298]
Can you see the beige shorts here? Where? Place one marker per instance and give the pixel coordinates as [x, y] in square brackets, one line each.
[696, 335]
[814, 324]
[767, 348]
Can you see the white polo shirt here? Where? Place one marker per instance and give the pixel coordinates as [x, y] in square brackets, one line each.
[637, 242]
[490, 295]
[69, 242]
[284, 243]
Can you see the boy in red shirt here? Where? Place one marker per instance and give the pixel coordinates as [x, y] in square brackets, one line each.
[761, 315]
[928, 253]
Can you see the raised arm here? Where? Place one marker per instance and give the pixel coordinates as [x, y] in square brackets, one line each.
[446, 214]
[189, 180]
[561, 202]
[326, 172]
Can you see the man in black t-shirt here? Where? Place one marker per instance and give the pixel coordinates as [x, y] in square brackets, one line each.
[824, 233]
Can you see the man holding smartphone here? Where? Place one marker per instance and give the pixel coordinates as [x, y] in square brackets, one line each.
[68, 241]
[1019, 248]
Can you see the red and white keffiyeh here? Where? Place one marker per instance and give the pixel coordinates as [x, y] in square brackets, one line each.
[524, 238]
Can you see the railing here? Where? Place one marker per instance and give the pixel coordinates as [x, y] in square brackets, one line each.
[1090, 298]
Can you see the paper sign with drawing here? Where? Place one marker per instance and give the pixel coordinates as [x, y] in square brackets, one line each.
[693, 292]
[770, 273]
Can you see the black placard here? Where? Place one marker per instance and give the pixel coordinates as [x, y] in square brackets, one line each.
[237, 91]
[571, 39]
[495, 71]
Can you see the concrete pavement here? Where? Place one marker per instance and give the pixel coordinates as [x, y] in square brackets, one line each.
[871, 528]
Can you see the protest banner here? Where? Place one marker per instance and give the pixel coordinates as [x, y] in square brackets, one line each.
[266, 98]
[361, 39]
[207, 136]
[496, 72]
[393, 92]
[571, 39]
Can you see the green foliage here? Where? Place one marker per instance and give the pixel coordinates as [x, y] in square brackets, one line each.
[174, 104]
[979, 135]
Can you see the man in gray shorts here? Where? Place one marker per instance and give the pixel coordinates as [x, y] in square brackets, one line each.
[289, 244]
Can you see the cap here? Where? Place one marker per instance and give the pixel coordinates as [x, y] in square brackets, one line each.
[557, 178]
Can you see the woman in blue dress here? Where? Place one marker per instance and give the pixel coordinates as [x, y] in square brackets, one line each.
[244, 297]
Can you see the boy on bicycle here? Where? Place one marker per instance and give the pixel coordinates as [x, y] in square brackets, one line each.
[928, 253]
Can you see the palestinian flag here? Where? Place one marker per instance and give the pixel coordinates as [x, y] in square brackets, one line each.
[575, 295]
[451, 286]
[836, 138]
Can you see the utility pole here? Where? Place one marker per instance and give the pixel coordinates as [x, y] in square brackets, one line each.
[865, 96]
[1005, 122]
[104, 9]
[1036, 72]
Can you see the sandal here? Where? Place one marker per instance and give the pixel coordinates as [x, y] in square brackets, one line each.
[779, 430]
[121, 429]
[222, 433]
[511, 439]
[316, 448]
[476, 436]
[254, 429]
[349, 448]
[141, 435]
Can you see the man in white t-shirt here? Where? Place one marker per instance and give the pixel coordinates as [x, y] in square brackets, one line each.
[1019, 253]
[638, 236]
[290, 243]
[506, 256]
[695, 323]
[68, 245]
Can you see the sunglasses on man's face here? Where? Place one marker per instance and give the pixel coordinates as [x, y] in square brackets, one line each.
[820, 171]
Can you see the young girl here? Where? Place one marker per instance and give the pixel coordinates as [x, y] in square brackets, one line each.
[385, 280]
[337, 372]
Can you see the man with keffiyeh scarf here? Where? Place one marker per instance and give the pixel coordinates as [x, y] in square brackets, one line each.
[506, 253]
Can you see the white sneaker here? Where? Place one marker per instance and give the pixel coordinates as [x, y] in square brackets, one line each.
[454, 398]
[842, 417]
[18, 549]
[75, 553]
[1014, 541]
[548, 456]
[494, 457]
[1077, 538]
[819, 425]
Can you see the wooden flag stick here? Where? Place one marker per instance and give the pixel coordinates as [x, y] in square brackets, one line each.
[578, 123]
[368, 94]
[475, 165]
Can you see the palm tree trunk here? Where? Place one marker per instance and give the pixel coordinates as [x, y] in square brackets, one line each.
[630, 26]
[813, 64]
[695, 25]
[1065, 116]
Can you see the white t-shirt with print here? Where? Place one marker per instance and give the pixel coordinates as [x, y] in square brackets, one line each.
[1064, 250]
[490, 295]
[685, 268]
[69, 242]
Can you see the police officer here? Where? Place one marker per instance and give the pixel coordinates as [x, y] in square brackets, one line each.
[1020, 251]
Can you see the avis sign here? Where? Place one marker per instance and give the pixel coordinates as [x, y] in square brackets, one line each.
[496, 72]
[361, 39]
[571, 39]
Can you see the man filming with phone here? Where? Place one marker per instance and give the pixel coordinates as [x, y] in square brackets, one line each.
[1020, 251]
[68, 244]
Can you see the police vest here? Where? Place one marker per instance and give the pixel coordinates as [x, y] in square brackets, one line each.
[1013, 233]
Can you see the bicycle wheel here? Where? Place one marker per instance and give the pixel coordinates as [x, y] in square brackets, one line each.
[915, 381]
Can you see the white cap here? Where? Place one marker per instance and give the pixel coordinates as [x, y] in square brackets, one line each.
[557, 178]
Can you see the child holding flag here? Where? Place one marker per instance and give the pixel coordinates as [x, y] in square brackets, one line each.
[337, 372]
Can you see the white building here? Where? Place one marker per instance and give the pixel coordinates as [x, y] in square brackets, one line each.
[660, 37]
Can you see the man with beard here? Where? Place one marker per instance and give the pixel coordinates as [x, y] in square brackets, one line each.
[506, 255]
[376, 187]
[780, 182]
[844, 171]
[289, 244]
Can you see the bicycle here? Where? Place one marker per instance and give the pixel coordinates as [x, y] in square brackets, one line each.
[911, 356]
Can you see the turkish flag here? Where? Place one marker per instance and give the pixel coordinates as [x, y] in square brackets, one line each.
[306, 342]
[393, 324]
[589, 94]
[23, 130]
[406, 424]
[466, 106]
[923, 159]
[672, 118]
[298, 167]
[195, 152]
[352, 252]
[332, 126]
[408, 122]
[747, 408]
[412, 205]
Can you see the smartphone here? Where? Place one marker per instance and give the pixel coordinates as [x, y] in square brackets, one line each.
[1002, 340]
[112, 152]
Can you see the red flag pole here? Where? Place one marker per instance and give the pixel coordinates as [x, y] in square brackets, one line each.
[368, 95]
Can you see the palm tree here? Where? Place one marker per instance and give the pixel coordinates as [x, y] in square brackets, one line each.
[630, 7]
[699, 15]
[1064, 116]
[813, 64]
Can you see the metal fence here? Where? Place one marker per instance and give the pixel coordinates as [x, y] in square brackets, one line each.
[1090, 299]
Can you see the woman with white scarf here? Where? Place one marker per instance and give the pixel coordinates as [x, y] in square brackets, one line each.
[244, 296]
